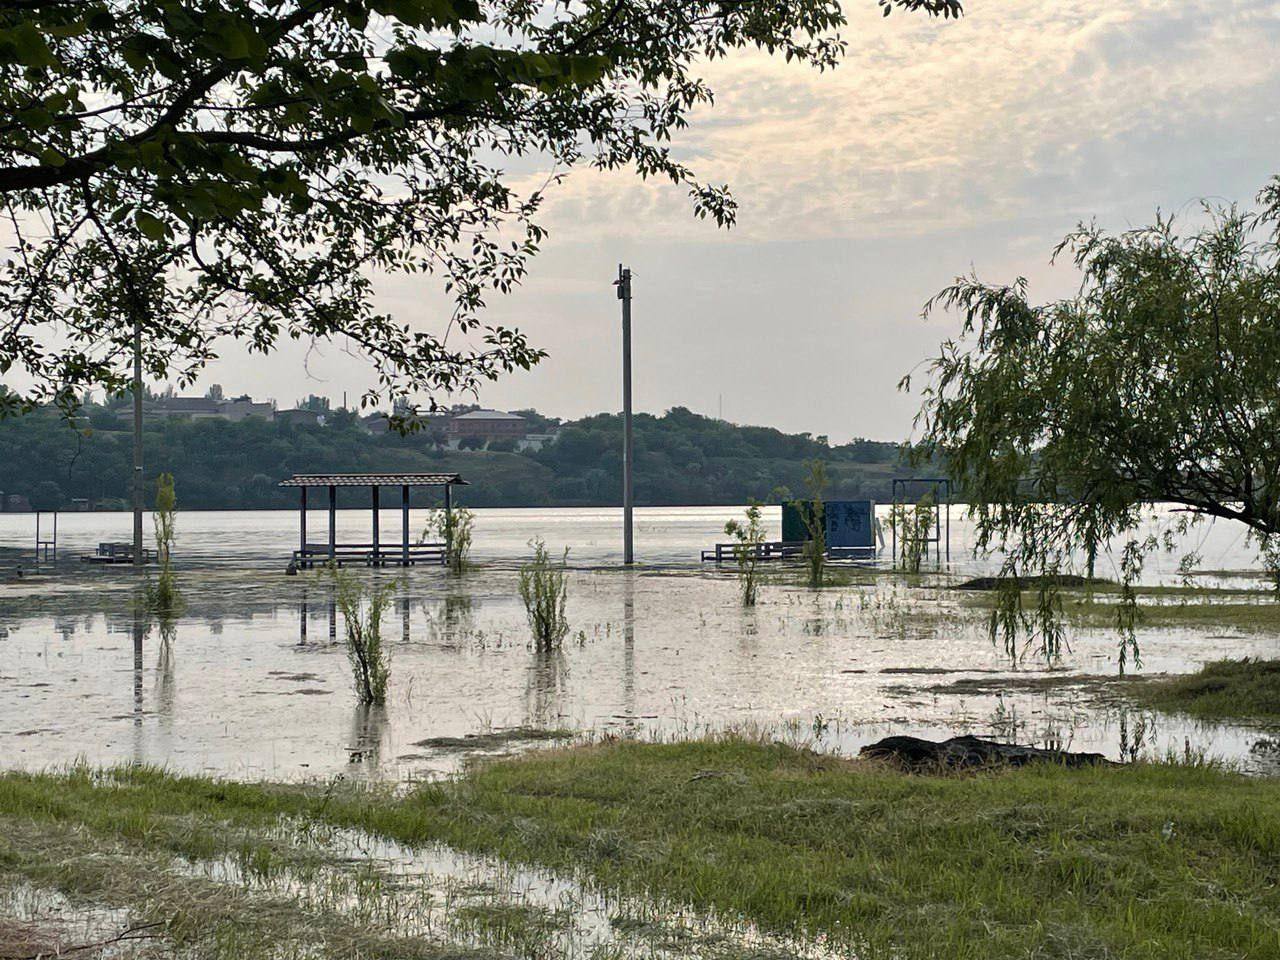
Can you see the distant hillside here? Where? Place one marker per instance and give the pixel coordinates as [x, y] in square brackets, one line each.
[681, 458]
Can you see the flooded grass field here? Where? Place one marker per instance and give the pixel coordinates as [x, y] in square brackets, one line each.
[251, 679]
[374, 835]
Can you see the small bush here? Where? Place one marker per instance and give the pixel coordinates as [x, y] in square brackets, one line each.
[162, 597]
[544, 592]
[815, 547]
[747, 537]
[362, 609]
[913, 525]
[453, 528]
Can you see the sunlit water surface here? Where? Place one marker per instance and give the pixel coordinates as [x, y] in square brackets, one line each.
[251, 680]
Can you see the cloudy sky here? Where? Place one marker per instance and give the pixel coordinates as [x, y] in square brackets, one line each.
[936, 148]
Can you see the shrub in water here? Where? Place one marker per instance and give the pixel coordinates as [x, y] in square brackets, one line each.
[544, 591]
[162, 597]
[815, 547]
[747, 538]
[453, 529]
[913, 524]
[362, 611]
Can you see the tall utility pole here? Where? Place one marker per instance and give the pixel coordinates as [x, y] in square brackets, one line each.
[138, 557]
[623, 284]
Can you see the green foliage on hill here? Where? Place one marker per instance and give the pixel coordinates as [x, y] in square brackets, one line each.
[681, 458]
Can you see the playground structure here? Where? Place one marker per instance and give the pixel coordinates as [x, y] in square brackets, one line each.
[46, 539]
[922, 509]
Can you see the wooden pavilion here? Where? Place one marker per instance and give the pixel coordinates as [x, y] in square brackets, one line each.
[375, 552]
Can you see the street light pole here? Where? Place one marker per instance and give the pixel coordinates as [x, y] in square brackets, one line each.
[623, 284]
[138, 557]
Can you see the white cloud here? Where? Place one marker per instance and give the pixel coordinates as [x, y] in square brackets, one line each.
[1020, 109]
[936, 146]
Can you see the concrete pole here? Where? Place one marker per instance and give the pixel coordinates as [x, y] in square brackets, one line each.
[404, 525]
[624, 294]
[448, 526]
[333, 524]
[138, 494]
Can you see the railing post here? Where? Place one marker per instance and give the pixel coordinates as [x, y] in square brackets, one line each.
[376, 550]
[404, 525]
[333, 524]
[448, 525]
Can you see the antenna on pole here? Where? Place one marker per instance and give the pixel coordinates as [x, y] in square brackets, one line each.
[623, 283]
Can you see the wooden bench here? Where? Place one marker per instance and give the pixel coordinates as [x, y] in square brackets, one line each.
[384, 555]
[118, 552]
[783, 550]
[768, 550]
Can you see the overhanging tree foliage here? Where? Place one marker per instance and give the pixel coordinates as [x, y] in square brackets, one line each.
[241, 168]
[1158, 382]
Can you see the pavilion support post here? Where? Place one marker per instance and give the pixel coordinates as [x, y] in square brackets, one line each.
[302, 525]
[377, 559]
[333, 524]
[404, 525]
[448, 526]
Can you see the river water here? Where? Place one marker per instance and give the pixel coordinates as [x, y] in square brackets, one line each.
[251, 680]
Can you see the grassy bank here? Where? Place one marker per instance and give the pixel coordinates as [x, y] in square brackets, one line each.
[1149, 861]
[1146, 861]
[1170, 607]
[1222, 689]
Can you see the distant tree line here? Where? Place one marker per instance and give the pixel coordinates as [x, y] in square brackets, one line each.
[681, 458]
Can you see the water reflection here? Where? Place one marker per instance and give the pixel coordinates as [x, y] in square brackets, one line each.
[165, 688]
[271, 698]
[368, 733]
[139, 630]
[139, 635]
[629, 650]
[304, 614]
[544, 690]
[451, 620]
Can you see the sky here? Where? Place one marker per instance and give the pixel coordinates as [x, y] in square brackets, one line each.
[937, 148]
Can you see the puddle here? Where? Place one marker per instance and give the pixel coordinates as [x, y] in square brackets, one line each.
[36, 922]
[441, 895]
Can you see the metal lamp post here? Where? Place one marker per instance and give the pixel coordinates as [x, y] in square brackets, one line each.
[623, 283]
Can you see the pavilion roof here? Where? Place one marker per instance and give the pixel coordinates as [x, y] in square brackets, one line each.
[373, 480]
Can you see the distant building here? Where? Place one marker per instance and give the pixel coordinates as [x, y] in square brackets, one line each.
[301, 417]
[535, 441]
[375, 423]
[487, 425]
[208, 408]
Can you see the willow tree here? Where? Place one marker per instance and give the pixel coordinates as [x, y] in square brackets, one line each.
[1157, 382]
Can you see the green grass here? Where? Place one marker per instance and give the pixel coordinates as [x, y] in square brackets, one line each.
[1221, 689]
[109, 839]
[1148, 861]
[1250, 611]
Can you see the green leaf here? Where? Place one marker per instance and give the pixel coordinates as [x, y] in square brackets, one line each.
[152, 227]
[27, 45]
[228, 35]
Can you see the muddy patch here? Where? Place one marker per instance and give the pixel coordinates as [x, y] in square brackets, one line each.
[493, 740]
